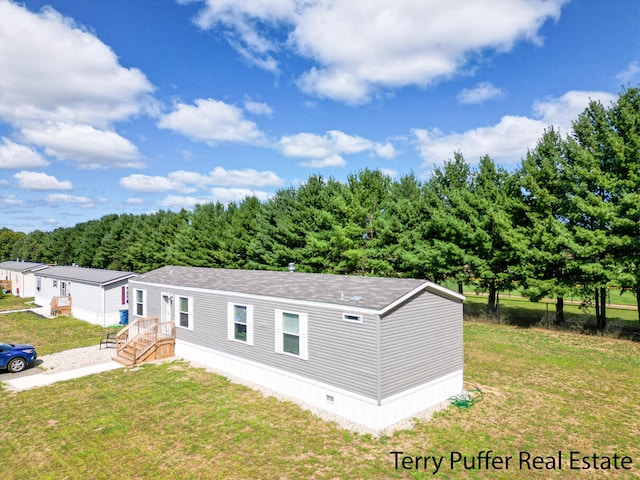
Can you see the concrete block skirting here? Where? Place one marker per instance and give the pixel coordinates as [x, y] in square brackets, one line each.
[336, 401]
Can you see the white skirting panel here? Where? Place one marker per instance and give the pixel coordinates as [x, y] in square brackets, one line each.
[86, 315]
[334, 401]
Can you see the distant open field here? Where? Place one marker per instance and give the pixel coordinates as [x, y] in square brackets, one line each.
[545, 392]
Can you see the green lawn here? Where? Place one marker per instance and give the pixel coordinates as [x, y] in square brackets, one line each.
[614, 297]
[622, 322]
[49, 335]
[544, 391]
[11, 302]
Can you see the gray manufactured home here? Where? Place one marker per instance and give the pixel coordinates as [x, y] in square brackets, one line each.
[22, 277]
[372, 350]
[97, 295]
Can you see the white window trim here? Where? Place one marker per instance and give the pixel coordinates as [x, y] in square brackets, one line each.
[176, 306]
[357, 319]
[303, 321]
[231, 323]
[144, 302]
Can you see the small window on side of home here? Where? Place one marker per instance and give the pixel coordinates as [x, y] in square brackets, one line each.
[350, 317]
[184, 312]
[38, 283]
[55, 283]
[140, 307]
[291, 334]
[240, 323]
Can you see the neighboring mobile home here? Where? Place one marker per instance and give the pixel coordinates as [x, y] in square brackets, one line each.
[97, 296]
[372, 350]
[21, 275]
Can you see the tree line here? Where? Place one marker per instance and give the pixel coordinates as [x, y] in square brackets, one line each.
[567, 221]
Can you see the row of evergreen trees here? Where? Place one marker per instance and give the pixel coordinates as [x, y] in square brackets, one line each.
[566, 221]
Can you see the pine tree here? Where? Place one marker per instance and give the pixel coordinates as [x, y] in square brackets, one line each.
[544, 269]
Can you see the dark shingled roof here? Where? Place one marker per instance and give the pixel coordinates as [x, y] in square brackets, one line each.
[87, 275]
[365, 292]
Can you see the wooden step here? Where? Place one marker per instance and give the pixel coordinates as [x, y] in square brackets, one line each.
[124, 361]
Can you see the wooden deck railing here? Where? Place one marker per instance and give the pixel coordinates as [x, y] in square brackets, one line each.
[142, 335]
[61, 305]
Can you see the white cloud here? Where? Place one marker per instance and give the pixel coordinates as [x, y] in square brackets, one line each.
[332, 161]
[134, 201]
[55, 72]
[14, 155]
[227, 195]
[147, 183]
[628, 74]
[90, 147]
[222, 177]
[177, 201]
[507, 141]
[562, 111]
[212, 121]
[327, 150]
[11, 201]
[238, 20]
[257, 108]
[223, 195]
[482, 92]
[385, 150]
[82, 202]
[388, 172]
[41, 181]
[360, 47]
[188, 182]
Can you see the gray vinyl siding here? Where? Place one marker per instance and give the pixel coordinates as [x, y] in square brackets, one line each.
[419, 342]
[340, 353]
[113, 297]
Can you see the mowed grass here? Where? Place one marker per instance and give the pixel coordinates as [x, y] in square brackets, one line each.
[11, 302]
[621, 322]
[544, 391]
[615, 296]
[49, 335]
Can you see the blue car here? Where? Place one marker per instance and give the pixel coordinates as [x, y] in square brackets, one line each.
[16, 357]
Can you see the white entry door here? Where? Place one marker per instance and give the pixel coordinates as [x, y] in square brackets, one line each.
[165, 315]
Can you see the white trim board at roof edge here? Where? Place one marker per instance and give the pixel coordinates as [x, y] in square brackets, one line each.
[346, 307]
[70, 278]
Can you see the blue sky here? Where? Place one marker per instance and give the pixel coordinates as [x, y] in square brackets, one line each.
[135, 106]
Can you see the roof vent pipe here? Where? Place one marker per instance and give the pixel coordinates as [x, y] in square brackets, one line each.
[292, 267]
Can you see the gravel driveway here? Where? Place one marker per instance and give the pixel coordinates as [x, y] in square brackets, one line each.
[67, 360]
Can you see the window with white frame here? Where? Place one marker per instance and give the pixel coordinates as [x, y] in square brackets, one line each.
[184, 312]
[240, 322]
[291, 334]
[141, 303]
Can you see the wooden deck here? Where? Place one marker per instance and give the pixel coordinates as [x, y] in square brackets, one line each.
[145, 339]
[5, 285]
[61, 305]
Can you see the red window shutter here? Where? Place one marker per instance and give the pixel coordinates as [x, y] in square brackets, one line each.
[124, 295]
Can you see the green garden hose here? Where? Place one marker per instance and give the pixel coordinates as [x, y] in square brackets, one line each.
[467, 398]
